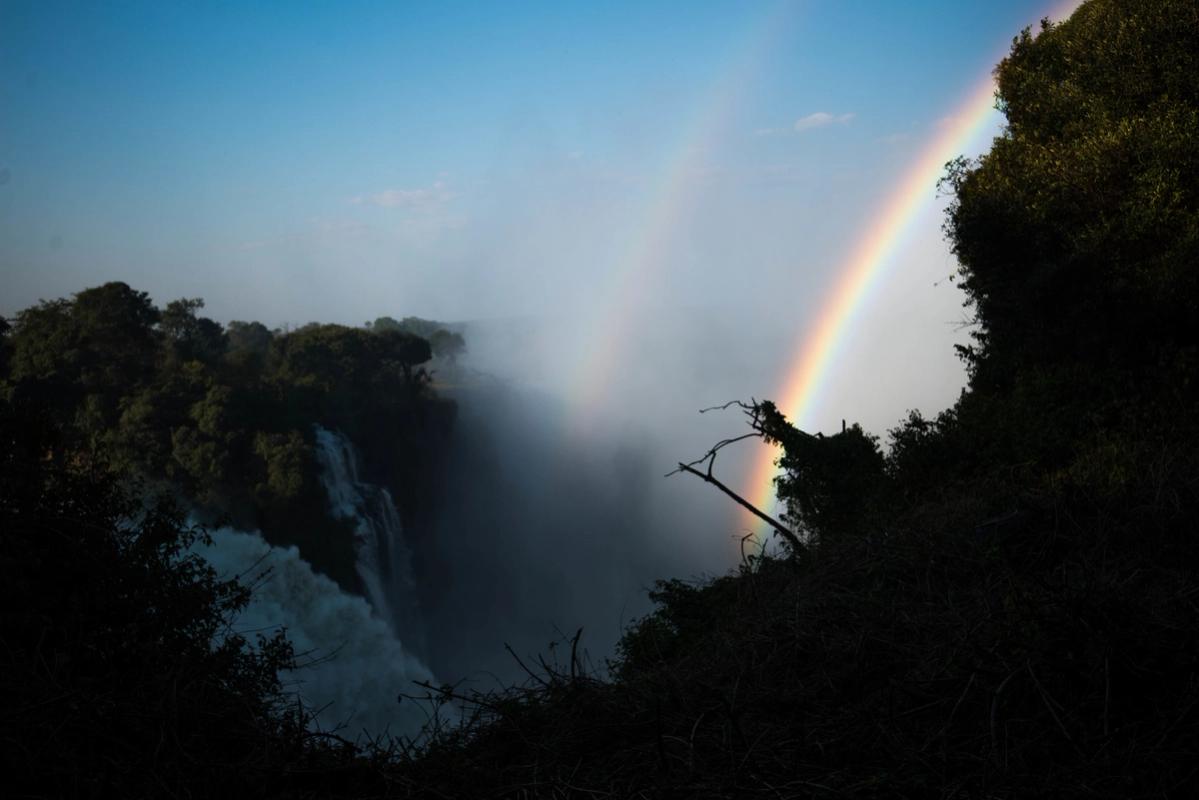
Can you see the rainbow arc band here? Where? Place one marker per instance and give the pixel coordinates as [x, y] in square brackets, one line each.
[636, 270]
[865, 269]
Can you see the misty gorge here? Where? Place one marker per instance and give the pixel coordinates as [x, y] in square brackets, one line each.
[620, 401]
[477, 526]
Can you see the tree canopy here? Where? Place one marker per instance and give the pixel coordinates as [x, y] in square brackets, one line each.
[224, 416]
[1078, 233]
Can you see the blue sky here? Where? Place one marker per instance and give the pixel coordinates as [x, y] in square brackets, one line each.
[292, 161]
[711, 163]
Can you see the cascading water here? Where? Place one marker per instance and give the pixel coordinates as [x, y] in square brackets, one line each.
[358, 666]
[384, 560]
[361, 649]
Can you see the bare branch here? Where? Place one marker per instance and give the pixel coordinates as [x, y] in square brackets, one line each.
[710, 456]
[746, 407]
[528, 671]
[574, 657]
[754, 411]
[780, 528]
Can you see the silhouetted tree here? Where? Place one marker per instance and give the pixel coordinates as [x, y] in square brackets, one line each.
[119, 671]
[1078, 232]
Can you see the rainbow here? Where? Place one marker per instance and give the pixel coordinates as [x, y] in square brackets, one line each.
[865, 268]
[637, 266]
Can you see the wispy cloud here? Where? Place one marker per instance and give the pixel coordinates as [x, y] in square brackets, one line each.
[424, 197]
[820, 119]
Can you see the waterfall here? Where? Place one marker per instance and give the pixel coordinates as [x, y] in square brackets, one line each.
[361, 649]
[358, 665]
[384, 561]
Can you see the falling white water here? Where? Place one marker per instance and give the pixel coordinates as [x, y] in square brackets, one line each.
[384, 561]
[359, 667]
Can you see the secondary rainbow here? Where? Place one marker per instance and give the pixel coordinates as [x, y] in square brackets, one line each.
[623, 289]
[865, 268]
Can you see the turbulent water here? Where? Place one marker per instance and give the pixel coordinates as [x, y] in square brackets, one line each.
[360, 665]
[384, 560]
[358, 660]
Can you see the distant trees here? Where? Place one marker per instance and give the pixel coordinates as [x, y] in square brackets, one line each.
[445, 343]
[226, 416]
[248, 338]
[329, 357]
[193, 337]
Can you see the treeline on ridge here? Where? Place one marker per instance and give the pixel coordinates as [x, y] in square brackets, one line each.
[224, 415]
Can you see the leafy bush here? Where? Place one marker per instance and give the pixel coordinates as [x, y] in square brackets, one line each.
[119, 672]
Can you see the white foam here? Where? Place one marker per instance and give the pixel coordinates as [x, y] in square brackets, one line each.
[361, 667]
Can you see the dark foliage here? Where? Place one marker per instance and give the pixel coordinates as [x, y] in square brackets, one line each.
[119, 674]
[225, 418]
[1003, 603]
[446, 342]
[1099, 174]
[119, 670]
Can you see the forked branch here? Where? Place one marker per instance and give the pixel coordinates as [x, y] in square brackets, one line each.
[753, 411]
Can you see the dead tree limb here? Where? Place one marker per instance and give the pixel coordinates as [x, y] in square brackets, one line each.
[574, 656]
[708, 477]
[756, 412]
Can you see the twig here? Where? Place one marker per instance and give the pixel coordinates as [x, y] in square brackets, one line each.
[753, 410]
[746, 407]
[574, 647]
[528, 671]
[780, 528]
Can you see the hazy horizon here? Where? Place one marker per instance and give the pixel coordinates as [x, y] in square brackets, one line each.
[472, 163]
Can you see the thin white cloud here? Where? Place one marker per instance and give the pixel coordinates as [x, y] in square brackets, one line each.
[406, 198]
[820, 119]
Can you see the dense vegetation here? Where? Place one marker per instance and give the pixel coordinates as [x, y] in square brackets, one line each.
[224, 416]
[1002, 603]
[120, 673]
[117, 672]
